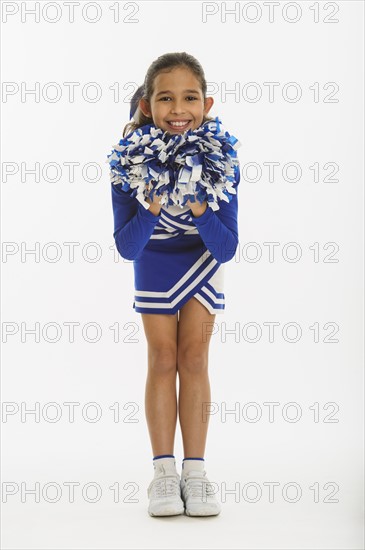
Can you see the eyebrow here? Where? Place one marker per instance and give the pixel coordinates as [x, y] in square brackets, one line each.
[169, 92]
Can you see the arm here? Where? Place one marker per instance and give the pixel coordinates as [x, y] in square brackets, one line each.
[133, 224]
[219, 229]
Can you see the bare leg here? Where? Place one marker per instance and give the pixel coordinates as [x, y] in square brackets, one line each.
[160, 394]
[194, 328]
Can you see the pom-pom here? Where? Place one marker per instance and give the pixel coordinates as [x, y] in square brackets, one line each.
[194, 165]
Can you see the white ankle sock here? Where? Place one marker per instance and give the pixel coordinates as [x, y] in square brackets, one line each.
[167, 461]
[192, 464]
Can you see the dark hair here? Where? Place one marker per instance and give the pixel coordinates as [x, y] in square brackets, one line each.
[164, 63]
[135, 100]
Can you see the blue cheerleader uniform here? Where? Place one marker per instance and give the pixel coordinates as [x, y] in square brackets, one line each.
[176, 255]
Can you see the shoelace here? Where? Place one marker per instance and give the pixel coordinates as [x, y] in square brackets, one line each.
[164, 486]
[198, 486]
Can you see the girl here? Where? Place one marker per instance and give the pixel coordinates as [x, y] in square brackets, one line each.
[178, 256]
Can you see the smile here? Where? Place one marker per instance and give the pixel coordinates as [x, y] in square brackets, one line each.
[181, 125]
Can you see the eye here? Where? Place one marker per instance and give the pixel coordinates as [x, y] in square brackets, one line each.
[190, 97]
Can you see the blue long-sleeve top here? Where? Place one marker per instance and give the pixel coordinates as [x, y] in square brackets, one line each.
[134, 225]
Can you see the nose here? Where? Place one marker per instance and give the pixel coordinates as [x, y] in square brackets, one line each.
[177, 107]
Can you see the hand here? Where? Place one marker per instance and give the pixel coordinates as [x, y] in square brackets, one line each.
[155, 204]
[197, 208]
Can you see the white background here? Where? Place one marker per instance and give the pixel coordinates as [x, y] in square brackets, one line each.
[37, 211]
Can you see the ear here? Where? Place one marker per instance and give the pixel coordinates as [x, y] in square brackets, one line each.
[145, 107]
[208, 104]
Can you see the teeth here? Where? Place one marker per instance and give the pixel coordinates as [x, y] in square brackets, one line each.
[179, 123]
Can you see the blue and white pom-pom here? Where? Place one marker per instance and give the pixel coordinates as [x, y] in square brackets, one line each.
[194, 165]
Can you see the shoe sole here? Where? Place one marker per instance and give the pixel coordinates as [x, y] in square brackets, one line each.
[167, 513]
[201, 514]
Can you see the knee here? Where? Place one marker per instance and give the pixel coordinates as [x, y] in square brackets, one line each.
[162, 359]
[193, 360]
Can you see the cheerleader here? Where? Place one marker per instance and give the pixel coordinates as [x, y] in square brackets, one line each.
[174, 178]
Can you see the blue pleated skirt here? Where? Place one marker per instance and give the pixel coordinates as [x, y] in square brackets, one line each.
[174, 266]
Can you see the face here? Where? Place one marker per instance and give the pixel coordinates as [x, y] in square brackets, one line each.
[178, 98]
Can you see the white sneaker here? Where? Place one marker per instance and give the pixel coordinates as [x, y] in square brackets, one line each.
[164, 494]
[198, 495]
